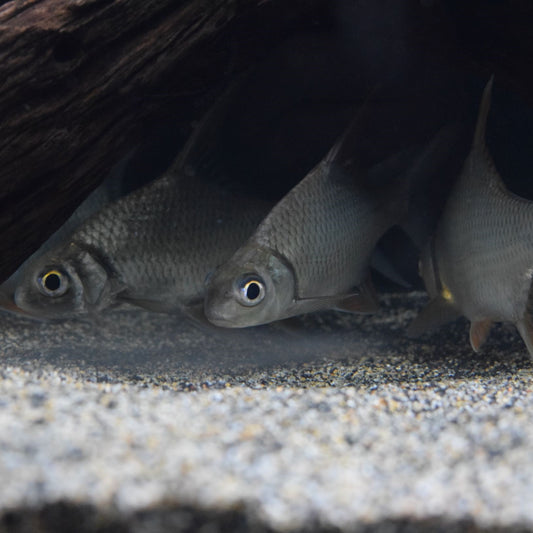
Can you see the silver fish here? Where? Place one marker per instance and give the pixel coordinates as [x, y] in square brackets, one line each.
[152, 248]
[106, 192]
[313, 250]
[479, 263]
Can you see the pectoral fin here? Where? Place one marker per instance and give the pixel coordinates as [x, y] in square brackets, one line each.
[437, 313]
[365, 301]
[525, 328]
[479, 331]
[362, 300]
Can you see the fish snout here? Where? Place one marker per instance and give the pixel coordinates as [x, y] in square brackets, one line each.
[215, 305]
[217, 318]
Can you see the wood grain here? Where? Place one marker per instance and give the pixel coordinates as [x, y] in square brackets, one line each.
[73, 74]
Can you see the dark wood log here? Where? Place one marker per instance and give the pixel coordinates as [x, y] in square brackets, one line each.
[74, 80]
[79, 79]
[71, 73]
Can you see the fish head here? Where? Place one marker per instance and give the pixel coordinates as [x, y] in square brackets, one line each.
[255, 286]
[61, 284]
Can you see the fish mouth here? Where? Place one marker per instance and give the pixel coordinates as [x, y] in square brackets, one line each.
[8, 303]
[219, 320]
[217, 317]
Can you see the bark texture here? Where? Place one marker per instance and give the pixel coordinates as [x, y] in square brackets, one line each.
[74, 75]
[78, 77]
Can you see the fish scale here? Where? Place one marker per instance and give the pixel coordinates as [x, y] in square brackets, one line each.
[495, 245]
[313, 250]
[158, 244]
[154, 247]
[342, 239]
[482, 261]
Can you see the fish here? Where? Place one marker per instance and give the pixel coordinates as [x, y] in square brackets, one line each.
[153, 248]
[109, 190]
[313, 250]
[479, 262]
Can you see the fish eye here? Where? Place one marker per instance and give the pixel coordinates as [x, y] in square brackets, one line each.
[251, 290]
[53, 283]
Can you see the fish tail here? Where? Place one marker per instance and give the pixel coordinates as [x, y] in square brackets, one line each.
[484, 107]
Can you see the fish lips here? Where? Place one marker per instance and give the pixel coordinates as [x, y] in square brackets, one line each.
[7, 303]
[218, 307]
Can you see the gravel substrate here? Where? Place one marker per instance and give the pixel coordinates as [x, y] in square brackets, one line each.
[144, 422]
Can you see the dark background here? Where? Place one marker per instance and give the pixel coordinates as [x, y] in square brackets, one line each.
[302, 67]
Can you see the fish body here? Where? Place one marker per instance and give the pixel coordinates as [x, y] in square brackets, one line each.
[106, 192]
[479, 263]
[152, 248]
[312, 251]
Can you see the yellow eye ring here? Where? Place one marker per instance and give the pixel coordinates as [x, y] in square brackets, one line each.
[251, 290]
[53, 283]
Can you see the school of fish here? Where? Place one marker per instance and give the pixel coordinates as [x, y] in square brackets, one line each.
[188, 244]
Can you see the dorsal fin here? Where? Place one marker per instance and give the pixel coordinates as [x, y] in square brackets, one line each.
[481, 125]
[480, 156]
[201, 139]
[336, 151]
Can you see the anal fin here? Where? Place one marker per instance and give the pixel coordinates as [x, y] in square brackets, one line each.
[437, 313]
[479, 331]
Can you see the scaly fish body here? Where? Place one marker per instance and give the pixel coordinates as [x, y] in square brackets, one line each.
[311, 252]
[106, 192]
[329, 231]
[152, 248]
[480, 261]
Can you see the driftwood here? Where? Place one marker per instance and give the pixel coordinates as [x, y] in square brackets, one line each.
[72, 72]
[74, 75]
